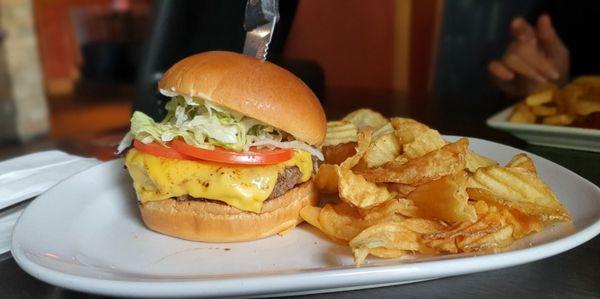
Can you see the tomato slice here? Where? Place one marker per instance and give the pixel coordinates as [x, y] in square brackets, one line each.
[160, 150]
[256, 157]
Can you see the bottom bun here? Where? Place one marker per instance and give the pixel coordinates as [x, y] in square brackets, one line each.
[208, 221]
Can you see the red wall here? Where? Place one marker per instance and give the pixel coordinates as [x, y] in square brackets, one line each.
[351, 39]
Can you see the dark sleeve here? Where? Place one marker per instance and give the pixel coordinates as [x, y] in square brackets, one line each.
[576, 23]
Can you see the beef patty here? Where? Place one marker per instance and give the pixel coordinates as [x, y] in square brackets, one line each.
[286, 180]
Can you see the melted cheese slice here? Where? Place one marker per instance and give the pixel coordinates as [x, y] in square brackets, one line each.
[244, 187]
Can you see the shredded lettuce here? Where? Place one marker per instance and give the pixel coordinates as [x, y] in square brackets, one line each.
[206, 125]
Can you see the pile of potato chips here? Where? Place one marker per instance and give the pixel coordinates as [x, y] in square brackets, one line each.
[577, 104]
[396, 187]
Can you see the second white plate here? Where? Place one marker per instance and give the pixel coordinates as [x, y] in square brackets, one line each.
[555, 136]
[85, 234]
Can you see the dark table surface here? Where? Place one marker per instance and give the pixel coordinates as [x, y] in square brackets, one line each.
[572, 274]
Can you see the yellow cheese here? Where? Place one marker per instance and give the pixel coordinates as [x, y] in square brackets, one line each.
[244, 187]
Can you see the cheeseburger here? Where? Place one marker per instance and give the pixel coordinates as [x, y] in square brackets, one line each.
[233, 159]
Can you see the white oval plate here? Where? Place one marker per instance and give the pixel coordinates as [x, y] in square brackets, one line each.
[85, 234]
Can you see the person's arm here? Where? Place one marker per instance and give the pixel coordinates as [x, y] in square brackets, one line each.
[535, 57]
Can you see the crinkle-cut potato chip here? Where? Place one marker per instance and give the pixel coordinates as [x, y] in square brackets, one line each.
[327, 178]
[481, 207]
[426, 142]
[391, 210]
[448, 160]
[517, 184]
[339, 132]
[445, 199]
[341, 222]
[311, 214]
[522, 114]
[366, 118]
[522, 224]
[401, 190]
[541, 97]
[364, 140]
[496, 228]
[384, 149]
[520, 189]
[388, 128]
[336, 154]
[397, 162]
[441, 245]
[424, 226]
[496, 240]
[384, 237]
[407, 129]
[408, 208]
[475, 161]
[522, 161]
[390, 239]
[541, 213]
[486, 223]
[354, 189]
[463, 233]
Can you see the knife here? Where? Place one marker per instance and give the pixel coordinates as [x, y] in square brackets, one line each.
[259, 22]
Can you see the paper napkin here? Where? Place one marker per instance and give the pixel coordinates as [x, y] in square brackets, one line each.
[28, 176]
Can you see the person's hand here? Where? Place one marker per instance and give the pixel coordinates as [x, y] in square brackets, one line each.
[534, 58]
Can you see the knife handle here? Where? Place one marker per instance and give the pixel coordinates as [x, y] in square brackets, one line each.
[260, 12]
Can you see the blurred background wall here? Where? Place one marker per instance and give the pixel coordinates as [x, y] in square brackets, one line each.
[91, 53]
[23, 107]
[351, 40]
[89, 50]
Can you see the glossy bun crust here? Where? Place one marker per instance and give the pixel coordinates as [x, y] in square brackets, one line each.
[209, 221]
[258, 89]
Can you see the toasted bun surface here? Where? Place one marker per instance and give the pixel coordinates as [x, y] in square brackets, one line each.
[258, 89]
[213, 222]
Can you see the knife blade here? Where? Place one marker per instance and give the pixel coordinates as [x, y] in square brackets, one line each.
[259, 23]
